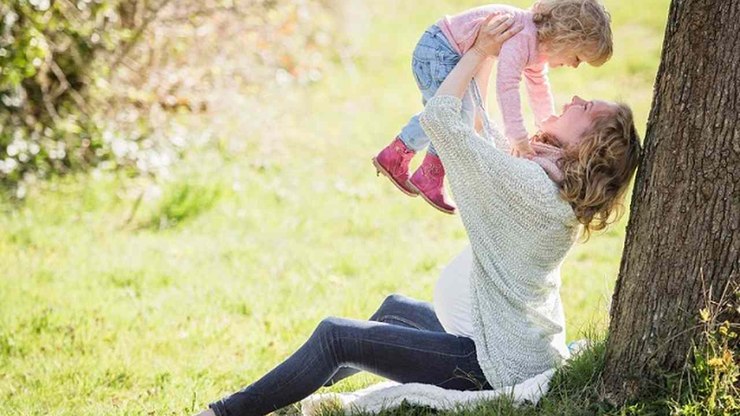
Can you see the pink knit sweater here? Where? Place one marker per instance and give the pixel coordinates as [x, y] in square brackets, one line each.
[518, 56]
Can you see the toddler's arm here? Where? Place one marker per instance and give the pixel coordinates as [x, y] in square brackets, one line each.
[511, 63]
[538, 90]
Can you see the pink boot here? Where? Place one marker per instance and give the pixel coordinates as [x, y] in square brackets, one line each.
[428, 181]
[393, 162]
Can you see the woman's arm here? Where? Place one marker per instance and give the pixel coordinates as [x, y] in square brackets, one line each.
[482, 178]
[494, 31]
[482, 77]
[490, 40]
[458, 81]
[478, 61]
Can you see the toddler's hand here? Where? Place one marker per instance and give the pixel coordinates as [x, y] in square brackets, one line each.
[523, 149]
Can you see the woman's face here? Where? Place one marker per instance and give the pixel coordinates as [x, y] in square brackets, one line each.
[576, 119]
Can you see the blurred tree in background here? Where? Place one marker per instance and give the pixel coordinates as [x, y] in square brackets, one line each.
[93, 83]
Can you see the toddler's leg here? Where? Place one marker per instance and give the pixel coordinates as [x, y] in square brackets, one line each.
[394, 159]
[426, 72]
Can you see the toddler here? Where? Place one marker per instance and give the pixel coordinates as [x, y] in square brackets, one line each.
[555, 33]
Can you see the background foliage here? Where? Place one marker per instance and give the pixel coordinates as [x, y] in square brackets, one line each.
[90, 83]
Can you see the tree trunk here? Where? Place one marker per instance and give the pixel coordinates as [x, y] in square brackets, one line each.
[683, 237]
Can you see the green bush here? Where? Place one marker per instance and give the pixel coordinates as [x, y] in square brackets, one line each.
[89, 83]
[49, 54]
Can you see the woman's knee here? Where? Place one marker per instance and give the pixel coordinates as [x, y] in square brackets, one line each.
[325, 334]
[389, 305]
[331, 334]
[330, 328]
[328, 325]
[395, 299]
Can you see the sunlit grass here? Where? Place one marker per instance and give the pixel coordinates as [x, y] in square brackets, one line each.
[103, 311]
[182, 201]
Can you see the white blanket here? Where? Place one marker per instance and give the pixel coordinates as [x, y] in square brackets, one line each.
[390, 394]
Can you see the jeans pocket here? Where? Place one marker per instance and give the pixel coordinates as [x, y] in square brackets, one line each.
[422, 73]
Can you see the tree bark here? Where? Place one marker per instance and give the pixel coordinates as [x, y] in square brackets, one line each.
[683, 237]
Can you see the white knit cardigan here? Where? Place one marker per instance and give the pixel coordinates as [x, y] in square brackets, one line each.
[520, 230]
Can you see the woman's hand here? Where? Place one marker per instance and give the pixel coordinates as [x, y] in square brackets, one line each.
[495, 30]
[523, 149]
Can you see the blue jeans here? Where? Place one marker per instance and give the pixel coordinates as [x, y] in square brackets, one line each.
[432, 61]
[403, 341]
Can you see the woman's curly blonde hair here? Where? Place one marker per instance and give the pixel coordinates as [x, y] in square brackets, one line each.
[597, 171]
[582, 26]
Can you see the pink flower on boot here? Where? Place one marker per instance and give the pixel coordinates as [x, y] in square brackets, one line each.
[428, 181]
[393, 162]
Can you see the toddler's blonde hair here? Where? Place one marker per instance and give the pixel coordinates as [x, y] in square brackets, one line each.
[580, 25]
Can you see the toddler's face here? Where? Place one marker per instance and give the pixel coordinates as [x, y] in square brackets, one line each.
[564, 58]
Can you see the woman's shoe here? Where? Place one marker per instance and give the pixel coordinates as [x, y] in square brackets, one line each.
[393, 162]
[428, 181]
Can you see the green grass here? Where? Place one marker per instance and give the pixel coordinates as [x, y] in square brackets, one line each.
[250, 244]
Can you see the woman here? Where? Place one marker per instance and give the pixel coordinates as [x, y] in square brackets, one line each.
[498, 318]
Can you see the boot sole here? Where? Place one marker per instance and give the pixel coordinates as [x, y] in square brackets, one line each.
[437, 207]
[387, 174]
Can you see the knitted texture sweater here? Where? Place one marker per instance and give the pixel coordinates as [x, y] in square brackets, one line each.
[520, 230]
